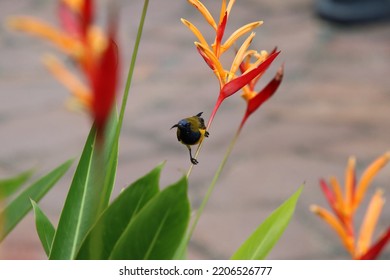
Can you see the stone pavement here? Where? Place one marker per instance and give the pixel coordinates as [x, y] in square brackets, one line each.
[334, 102]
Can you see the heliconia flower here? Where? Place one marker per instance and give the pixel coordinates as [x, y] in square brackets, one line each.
[95, 54]
[229, 81]
[344, 206]
[78, 38]
[253, 60]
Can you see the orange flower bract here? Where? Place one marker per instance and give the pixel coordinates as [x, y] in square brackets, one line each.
[344, 208]
[94, 52]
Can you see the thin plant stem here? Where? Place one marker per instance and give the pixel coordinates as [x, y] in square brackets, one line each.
[212, 184]
[132, 66]
[112, 159]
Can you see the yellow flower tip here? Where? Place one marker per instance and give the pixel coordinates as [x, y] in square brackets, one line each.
[368, 176]
[195, 31]
[97, 40]
[263, 53]
[199, 45]
[280, 73]
[75, 5]
[248, 95]
[184, 21]
[352, 161]
[49, 60]
[15, 23]
[238, 33]
[74, 104]
[314, 208]
[379, 192]
[203, 10]
[240, 55]
[258, 23]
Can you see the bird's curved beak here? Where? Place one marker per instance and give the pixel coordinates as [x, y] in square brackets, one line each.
[176, 125]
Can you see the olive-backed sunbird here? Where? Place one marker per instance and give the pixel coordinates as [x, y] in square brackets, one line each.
[191, 131]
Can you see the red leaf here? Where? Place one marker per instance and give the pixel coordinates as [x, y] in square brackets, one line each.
[74, 23]
[330, 197]
[274, 50]
[220, 32]
[377, 248]
[87, 16]
[242, 66]
[238, 83]
[255, 80]
[69, 20]
[104, 84]
[206, 59]
[263, 95]
[327, 192]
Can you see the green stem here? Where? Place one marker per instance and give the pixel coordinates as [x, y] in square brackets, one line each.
[132, 66]
[212, 185]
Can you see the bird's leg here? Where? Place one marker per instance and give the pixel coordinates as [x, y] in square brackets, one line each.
[193, 160]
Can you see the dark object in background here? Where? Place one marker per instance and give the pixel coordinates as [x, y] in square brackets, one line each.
[353, 11]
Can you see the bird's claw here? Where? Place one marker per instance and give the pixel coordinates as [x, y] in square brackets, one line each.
[194, 161]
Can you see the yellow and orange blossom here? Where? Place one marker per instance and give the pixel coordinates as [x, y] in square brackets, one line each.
[212, 52]
[344, 204]
[230, 80]
[83, 49]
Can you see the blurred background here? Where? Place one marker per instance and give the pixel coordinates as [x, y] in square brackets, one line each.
[334, 102]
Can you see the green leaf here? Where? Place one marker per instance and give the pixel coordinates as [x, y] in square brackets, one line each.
[20, 206]
[89, 193]
[111, 157]
[263, 239]
[181, 251]
[11, 185]
[45, 228]
[114, 220]
[157, 230]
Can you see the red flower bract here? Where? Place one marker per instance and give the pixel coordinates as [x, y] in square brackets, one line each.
[263, 95]
[238, 83]
[377, 248]
[104, 83]
[76, 23]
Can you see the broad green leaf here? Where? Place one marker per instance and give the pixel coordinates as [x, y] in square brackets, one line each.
[20, 206]
[11, 185]
[44, 227]
[118, 215]
[263, 239]
[157, 230]
[89, 193]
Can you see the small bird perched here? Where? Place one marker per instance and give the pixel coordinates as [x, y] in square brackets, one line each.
[191, 131]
